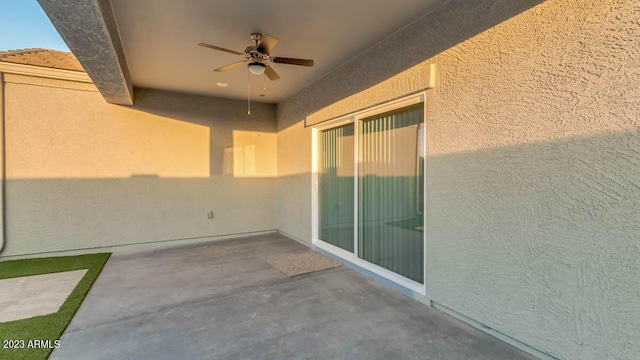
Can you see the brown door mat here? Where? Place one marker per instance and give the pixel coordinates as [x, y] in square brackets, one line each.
[297, 264]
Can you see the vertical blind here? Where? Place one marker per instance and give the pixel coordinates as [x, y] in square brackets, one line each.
[390, 205]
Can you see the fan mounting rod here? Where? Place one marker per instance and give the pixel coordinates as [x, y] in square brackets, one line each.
[256, 38]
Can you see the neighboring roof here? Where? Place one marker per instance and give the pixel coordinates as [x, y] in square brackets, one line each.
[43, 58]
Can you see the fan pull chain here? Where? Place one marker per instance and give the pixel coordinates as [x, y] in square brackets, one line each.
[248, 92]
[264, 82]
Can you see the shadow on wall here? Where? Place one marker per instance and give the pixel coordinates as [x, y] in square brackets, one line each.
[240, 145]
[46, 215]
[166, 134]
[545, 235]
[430, 35]
[82, 173]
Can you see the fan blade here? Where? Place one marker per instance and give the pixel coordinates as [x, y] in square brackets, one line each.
[220, 49]
[271, 74]
[267, 43]
[231, 66]
[292, 61]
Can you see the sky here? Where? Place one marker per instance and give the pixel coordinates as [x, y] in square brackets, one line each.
[25, 25]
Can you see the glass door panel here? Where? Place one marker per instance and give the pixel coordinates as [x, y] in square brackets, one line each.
[390, 191]
[336, 186]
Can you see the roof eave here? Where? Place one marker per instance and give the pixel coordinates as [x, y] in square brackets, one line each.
[91, 33]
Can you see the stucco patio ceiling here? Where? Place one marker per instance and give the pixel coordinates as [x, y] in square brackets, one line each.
[160, 37]
[153, 43]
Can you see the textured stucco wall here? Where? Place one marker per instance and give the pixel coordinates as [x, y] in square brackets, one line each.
[533, 176]
[534, 179]
[83, 173]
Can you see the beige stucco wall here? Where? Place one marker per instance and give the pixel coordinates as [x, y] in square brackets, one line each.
[82, 173]
[533, 173]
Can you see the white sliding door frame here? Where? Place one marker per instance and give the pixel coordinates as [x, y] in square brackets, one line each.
[353, 257]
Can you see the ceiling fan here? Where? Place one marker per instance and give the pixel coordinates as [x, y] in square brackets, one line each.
[257, 56]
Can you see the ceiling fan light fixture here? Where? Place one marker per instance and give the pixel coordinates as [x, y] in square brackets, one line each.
[257, 68]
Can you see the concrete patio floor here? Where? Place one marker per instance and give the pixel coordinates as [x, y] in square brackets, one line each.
[222, 301]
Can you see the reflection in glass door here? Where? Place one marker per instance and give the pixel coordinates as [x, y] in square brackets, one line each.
[336, 184]
[390, 191]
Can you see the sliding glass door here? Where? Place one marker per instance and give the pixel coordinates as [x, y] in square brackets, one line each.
[370, 190]
[335, 181]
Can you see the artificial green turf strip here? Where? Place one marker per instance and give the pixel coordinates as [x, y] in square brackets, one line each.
[47, 327]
